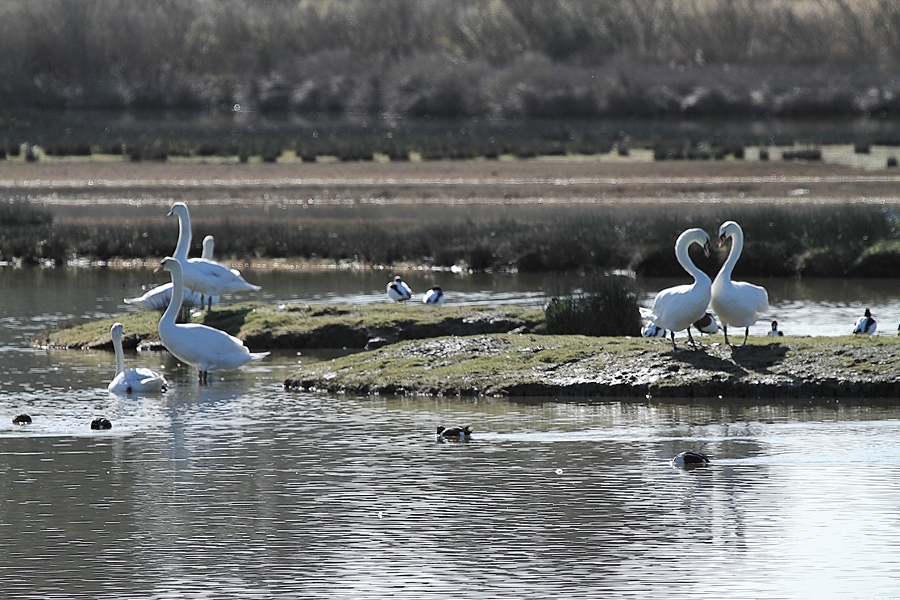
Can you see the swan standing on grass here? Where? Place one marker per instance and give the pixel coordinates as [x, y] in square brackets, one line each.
[865, 324]
[677, 308]
[198, 345]
[434, 296]
[132, 381]
[203, 275]
[398, 290]
[736, 303]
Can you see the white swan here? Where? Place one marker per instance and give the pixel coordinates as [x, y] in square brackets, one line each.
[865, 324]
[398, 290]
[158, 298]
[203, 275]
[198, 345]
[677, 308]
[434, 296]
[132, 381]
[737, 303]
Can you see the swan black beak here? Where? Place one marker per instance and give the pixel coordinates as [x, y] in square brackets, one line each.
[706, 249]
[169, 214]
[721, 240]
[158, 269]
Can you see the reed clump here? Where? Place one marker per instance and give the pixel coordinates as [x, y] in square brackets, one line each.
[605, 305]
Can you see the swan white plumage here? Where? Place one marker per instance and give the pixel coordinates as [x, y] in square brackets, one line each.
[398, 291]
[736, 303]
[434, 296]
[158, 298]
[204, 275]
[198, 345]
[865, 324]
[132, 381]
[677, 308]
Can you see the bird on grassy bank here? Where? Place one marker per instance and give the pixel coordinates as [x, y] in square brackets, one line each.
[398, 291]
[865, 324]
[132, 381]
[21, 419]
[651, 330]
[453, 434]
[198, 345]
[774, 331]
[434, 296]
[677, 308]
[690, 459]
[707, 324]
[200, 274]
[736, 303]
[101, 423]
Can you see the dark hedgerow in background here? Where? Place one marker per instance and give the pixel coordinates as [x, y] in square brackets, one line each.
[604, 305]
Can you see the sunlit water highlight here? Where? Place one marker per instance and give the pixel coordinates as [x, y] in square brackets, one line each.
[241, 489]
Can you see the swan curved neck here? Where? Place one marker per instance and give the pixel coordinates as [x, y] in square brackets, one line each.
[737, 245]
[120, 359]
[184, 235]
[171, 312]
[684, 259]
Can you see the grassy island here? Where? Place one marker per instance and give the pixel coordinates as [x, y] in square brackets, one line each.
[539, 365]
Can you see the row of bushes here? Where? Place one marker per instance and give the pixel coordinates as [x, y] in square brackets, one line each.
[499, 58]
[808, 240]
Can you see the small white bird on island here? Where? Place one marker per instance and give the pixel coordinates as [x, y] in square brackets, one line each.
[707, 324]
[132, 381]
[434, 296]
[398, 291]
[677, 308]
[193, 343]
[865, 324]
[736, 303]
[651, 330]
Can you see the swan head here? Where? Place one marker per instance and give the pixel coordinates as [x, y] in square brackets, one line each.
[168, 264]
[209, 246]
[729, 229]
[694, 236]
[116, 331]
[179, 208]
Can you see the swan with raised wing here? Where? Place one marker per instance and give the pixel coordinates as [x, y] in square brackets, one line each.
[132, 381]
[736, 303]
[204, 275]
[193, 343]
[678, 307]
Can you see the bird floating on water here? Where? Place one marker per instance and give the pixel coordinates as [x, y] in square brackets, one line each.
[453, 433]
[865, 324]
[21, 419]
[398, 290]
[690, 459]
[140, 380]
[101, 423]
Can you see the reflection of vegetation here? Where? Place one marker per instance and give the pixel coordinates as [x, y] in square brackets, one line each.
[819, 240]
[603, 306]
[498, 58]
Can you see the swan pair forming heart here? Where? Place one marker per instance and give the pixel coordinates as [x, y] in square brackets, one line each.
[737, 303]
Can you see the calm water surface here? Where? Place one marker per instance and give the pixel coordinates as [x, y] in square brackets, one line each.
[240, 489]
